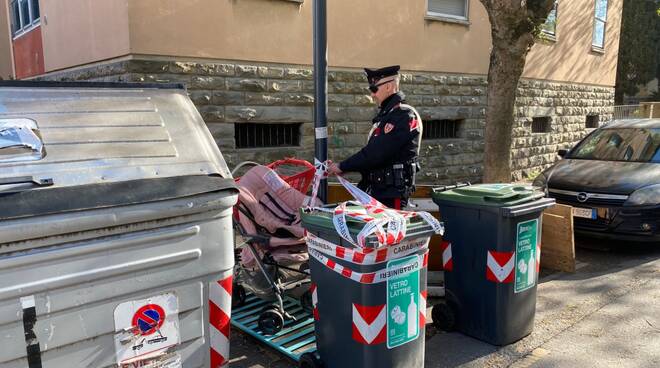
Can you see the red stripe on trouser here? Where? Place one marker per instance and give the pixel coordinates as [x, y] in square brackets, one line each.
[397, 203]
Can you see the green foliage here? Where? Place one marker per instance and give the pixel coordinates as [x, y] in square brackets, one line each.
[639, 46]
[533, 174]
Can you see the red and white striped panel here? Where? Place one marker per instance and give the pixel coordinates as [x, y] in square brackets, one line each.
[369, 324]
[447, 260]
[422, 309]
[500, 266]
[315, 301]
[219, 320]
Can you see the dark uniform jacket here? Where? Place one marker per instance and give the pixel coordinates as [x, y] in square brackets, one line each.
[393, 142]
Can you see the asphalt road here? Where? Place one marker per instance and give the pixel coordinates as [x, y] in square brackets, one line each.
[607, 314]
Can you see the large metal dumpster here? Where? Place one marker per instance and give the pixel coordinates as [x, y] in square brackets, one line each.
[116, 243]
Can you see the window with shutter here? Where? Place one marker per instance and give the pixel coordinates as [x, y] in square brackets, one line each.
[457, 9]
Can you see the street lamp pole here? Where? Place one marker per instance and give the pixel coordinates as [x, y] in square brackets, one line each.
[321, 89]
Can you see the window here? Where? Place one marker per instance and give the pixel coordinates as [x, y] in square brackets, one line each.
[252, 135]
[453, 9]
[15, 17]
[541, 124]
[441, 129]
[24, 16]
[600, 20]
[620, 144]
[550, 25]
[592, 121]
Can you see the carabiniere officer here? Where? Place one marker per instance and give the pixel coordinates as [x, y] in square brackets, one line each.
[388, 163]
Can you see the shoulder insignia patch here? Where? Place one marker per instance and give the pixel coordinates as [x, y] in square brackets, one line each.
[388, 128]
[414, 124]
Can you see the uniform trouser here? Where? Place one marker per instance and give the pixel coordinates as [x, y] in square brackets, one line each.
[395, 203]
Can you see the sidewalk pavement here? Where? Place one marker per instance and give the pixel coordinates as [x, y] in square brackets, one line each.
[607, 314]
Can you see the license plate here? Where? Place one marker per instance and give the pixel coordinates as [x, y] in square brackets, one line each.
[589, 213]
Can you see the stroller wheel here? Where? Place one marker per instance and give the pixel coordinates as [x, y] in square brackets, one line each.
[271, 321]
[306, 302]
[238, 296]
[310, 360]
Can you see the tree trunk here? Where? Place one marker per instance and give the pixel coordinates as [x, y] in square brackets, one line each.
[513, 27]
[506, 67]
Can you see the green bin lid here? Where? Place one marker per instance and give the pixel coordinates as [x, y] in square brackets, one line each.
[496, 195]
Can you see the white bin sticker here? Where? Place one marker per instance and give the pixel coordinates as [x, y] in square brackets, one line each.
[146, 328]
[163, 361]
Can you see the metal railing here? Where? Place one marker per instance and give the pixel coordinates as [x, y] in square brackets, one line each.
[629, 112]
[644, 110]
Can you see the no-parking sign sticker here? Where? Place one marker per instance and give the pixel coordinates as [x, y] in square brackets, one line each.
[146, 328]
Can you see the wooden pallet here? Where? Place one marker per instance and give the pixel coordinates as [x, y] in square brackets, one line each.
[557, 244]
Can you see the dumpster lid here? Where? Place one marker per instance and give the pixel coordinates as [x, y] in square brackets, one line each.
[60, 134]
[497, 195]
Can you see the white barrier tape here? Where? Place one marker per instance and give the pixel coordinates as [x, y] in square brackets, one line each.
[436, 225]
[389, 229]
[395, 222]
[321, 173]
[367, 278]
[358, 193]
[366, 256]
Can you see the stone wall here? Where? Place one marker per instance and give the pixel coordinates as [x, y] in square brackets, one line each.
[228, 93]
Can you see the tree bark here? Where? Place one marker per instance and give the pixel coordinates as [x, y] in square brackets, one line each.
[514, 24]
[506, 67]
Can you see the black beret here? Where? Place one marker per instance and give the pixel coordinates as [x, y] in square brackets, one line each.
[373, 75]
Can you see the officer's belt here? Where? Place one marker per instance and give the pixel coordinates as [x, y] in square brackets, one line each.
[400, 174]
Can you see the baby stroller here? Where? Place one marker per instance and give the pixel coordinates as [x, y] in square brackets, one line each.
[271, 255]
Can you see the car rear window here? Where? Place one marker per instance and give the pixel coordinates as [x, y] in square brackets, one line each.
[623, 144]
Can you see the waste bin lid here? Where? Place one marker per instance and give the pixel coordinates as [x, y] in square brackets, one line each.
[497, 195]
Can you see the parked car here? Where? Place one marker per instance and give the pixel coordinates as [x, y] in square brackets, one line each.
[612, 179]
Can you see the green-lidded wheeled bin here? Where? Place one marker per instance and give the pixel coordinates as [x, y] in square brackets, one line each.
[369, 303]
[492, 257]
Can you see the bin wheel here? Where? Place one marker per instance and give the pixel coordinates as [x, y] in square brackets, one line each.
[310, 360]
[306, 302]
[444, 317]
[271, 321]
[238, 296]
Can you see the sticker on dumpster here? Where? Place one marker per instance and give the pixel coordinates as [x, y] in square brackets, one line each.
[403, 302]
[526, 250]
[148, 319]
[163, 361]
[146, 328]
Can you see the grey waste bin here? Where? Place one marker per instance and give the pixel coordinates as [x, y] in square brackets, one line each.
[116, 241]
[494, 235]
[361, 321]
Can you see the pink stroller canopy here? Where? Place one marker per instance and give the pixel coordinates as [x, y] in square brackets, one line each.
[272, 208]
